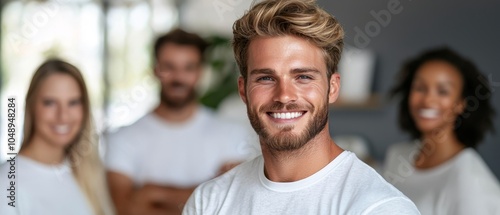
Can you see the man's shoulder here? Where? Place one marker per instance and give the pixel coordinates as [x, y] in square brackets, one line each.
[212, 194]
[219, 122]
[139, 126]
[372, 192]
[369, 184]
[368, 178]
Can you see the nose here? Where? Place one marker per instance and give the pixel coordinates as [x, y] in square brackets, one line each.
[62, 113]
[430, 98]
[180, 75]
[170, 73]
[285, 92]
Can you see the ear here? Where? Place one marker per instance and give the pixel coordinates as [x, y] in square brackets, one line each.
[334, 92]
[241, 89]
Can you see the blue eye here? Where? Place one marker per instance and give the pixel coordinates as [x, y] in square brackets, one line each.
[304, 77]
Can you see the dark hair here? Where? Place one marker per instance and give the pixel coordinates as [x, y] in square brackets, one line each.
[180, 37]
[476, 119]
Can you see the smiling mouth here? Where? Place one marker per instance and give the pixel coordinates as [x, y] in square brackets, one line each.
[428, 113]
[61, 129]
[286, 115]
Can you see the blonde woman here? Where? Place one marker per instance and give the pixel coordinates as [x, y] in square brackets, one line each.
[58, 170]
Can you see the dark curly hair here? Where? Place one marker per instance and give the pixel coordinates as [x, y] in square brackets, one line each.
[476, 119]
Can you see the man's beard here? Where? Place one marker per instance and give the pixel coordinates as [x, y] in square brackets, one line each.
[284, 140]
[177, 103]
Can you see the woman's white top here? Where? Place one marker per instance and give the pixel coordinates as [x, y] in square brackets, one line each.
[461, 185]
[36, 188]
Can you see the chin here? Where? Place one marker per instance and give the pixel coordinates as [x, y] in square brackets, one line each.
[424, 129]
[62, 141]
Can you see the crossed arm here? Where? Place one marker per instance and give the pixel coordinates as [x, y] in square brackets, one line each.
[149, 199]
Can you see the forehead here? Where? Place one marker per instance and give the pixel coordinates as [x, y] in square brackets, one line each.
[439, 71]
[178, 51]
[283, 52]
[59, 85]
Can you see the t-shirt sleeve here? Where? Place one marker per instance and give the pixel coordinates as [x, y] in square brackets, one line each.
[121, 154]
[191, 207]
[396, 205]
[206, 199]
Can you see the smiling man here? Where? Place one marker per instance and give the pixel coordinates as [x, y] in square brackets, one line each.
[287, 52]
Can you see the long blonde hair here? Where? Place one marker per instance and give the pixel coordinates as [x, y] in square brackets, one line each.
[82, 152]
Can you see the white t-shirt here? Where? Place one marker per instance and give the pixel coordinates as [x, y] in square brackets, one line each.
[345, 186]
[462, 185]
[183, 155]
[42, 189]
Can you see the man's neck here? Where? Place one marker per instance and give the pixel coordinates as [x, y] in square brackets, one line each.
[176, 115]
[302, 163]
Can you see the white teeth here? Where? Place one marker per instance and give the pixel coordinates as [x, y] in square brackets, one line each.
[61, 129]
[289, 115]
[429, 113]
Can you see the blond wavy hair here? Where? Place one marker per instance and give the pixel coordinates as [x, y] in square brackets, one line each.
[82, 152]
[301, 18]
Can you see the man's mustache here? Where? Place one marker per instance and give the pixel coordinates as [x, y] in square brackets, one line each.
[278, 106]
[176, 84]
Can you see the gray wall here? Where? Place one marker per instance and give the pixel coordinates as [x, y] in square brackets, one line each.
[471, 28]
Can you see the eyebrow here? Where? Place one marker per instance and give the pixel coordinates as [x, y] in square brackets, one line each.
[448, 83]
[440, 83]
[262, 71]
[51, 97]
[305, 70]
[268, 71]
